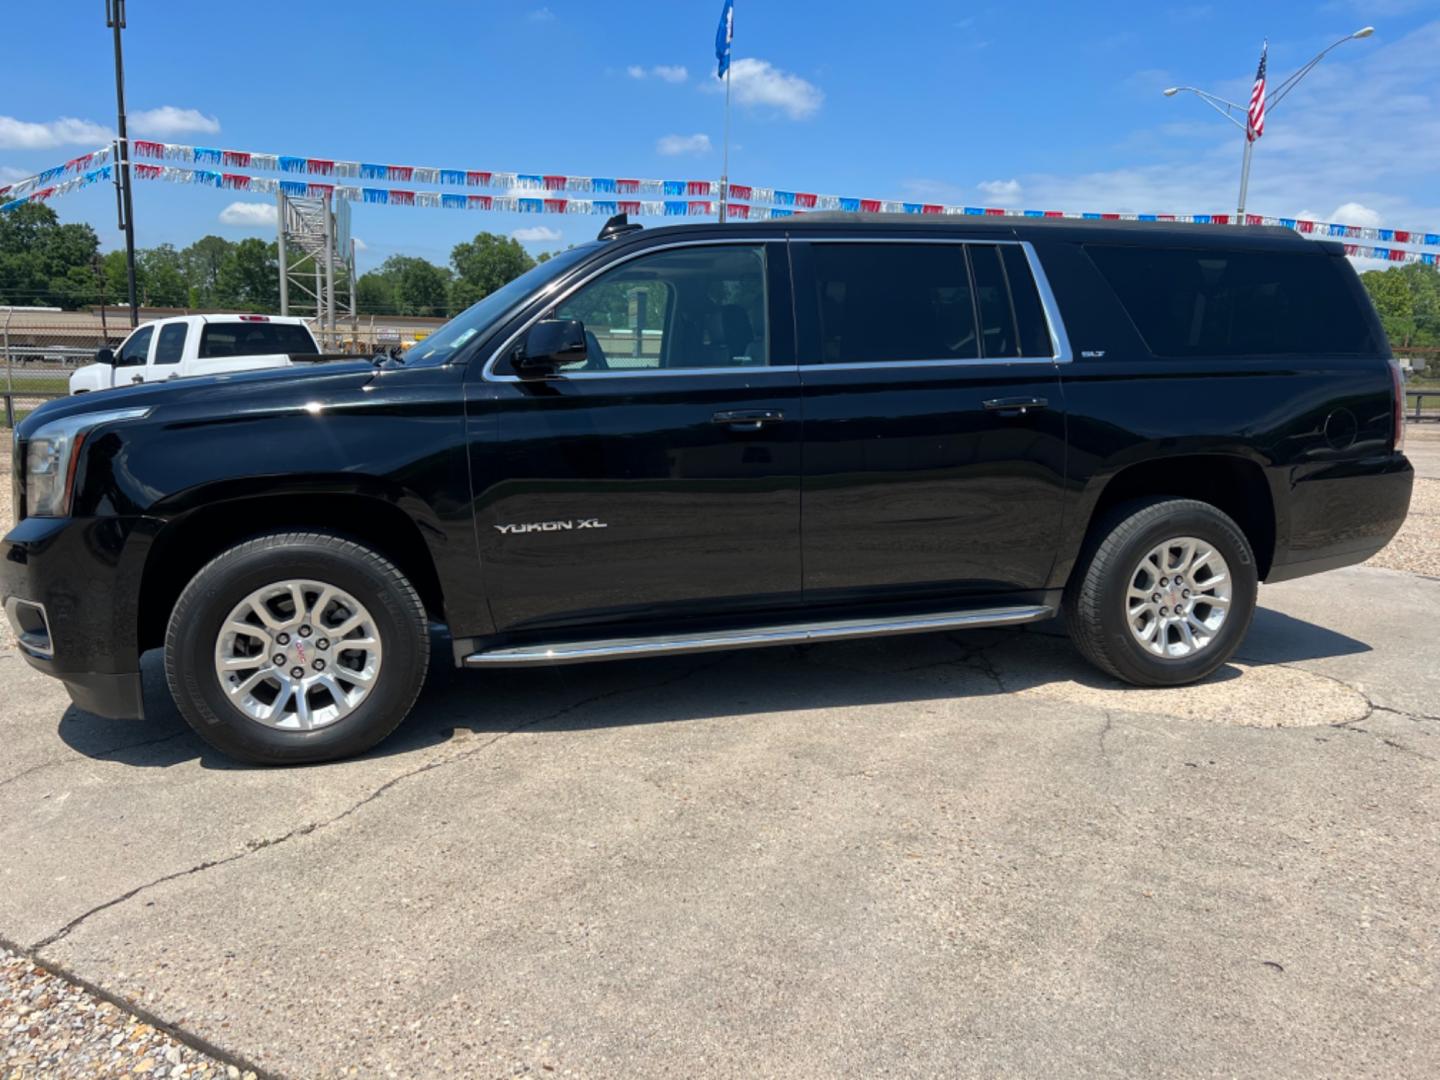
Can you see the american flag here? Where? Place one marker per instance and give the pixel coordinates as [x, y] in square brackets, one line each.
[1257, 99]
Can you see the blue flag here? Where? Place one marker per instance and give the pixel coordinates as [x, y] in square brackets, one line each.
[724, 35]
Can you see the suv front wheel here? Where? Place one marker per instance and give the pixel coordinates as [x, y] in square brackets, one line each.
[296, 647]
[1164, 594]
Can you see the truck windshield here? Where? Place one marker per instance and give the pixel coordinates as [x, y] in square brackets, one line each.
[444, 343]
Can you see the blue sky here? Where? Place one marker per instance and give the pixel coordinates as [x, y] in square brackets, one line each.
[1042, 105]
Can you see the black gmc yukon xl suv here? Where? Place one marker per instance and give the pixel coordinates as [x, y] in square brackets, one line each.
[710, 437]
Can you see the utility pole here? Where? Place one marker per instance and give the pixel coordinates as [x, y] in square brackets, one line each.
[115, 20]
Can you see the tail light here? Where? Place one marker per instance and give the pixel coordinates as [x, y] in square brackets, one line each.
[254, 318]
[1398, 380]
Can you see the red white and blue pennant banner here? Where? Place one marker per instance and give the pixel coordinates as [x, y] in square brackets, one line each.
[554, 193]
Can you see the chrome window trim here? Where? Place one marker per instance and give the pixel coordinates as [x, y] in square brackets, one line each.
[1059, 339]
[488, 373]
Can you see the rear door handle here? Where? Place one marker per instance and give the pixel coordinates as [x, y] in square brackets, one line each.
[1016, 406]
[747, 419]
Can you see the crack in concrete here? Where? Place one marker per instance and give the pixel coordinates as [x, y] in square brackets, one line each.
[101, 755]
[263, 843]
[1104, 734]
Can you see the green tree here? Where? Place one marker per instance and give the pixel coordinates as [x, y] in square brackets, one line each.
[249, 278]
[202, 261]
[44, 262]
[375, 294]
[1408, 301]
[116, 288]
[405, 285]
[164, 273]
[483, 265]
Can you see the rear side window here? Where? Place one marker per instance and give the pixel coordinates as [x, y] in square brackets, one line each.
[1030, 322]
[1189, 302]
[171, 345]
[880, 303]
[220, 340]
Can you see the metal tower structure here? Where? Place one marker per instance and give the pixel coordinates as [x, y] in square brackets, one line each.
[316, 248]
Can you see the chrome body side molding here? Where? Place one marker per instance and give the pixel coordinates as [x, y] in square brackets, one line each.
[579, 652]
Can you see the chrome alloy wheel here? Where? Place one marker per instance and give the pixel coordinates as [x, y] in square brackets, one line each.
[298, 655]
[1179, 598]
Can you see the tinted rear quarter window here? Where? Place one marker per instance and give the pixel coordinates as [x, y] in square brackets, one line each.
[254, 339]
[1192, 302]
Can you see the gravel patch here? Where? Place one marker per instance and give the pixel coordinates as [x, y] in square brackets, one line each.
[1416, 547]
[55, 1029]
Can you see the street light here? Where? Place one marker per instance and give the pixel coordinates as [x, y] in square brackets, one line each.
[1239, 115]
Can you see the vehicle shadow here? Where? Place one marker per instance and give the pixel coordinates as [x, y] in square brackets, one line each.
[880, 671]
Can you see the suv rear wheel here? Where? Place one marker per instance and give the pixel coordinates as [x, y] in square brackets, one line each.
[296, 647]
[1164, 594]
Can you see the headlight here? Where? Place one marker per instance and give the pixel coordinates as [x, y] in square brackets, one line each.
[51, 455]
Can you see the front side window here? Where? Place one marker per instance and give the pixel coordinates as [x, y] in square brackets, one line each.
[691, 307]
[171, 345]
[136, 348]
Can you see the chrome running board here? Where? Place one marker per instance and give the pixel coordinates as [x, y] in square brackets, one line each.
[579, 652]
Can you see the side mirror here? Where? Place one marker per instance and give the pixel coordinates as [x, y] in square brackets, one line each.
[551, 344]
[105, 355]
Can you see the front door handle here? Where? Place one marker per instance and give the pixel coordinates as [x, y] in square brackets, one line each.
[747, 419]
[137, 378]
[1015, 406]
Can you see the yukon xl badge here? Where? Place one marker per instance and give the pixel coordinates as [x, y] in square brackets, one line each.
[553, 526]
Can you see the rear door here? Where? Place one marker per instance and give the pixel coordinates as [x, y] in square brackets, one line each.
[934, 425]
[168, 352]
[659, 481]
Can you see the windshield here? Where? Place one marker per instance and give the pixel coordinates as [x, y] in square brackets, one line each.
[444, 343]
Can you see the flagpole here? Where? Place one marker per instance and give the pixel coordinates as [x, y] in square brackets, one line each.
[725, 159]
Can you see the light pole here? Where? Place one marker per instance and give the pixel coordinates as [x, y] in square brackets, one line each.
[115, 20]
[1239, 115]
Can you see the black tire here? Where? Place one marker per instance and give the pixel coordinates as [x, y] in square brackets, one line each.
[214, 592]
[1095, 597]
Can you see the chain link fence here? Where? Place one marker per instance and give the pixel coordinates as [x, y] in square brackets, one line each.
[38, 358]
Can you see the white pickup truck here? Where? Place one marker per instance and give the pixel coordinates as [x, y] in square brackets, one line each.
[197, 345]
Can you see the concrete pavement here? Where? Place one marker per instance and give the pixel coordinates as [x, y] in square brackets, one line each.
[954, 854]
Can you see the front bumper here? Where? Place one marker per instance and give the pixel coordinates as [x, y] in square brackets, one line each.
[71, 588]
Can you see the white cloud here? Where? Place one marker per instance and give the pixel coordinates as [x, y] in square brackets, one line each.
[761, 84]
[671, 73]
[1354, 213]
[168, 120]
[9, 174]
[543, 14]
[537, 234]
[673, 145]
[67, 131]
[1001, 192]
[250, 215]
[360, 245]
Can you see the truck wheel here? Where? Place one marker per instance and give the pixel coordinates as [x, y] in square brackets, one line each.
[296, 647]
[1164, 593]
